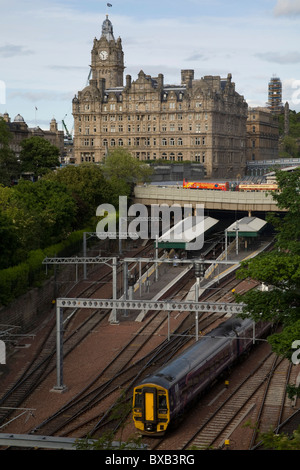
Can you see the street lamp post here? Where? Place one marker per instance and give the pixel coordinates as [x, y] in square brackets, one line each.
[199, 273]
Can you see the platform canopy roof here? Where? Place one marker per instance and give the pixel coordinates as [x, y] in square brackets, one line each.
[247, 227]
[186, 231]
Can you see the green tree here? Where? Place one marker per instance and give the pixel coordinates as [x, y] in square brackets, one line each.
[88, 187]
[38, 156]
[290, 147]
[8, 242]
[281, 441]
[51, 208]
[21, 223]
[124, 170]
[9, 165]
[280, 269]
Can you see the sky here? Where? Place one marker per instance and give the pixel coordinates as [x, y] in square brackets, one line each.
[45, 48]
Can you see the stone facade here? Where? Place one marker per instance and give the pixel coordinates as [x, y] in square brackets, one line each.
[200, 120]
[20, 131]
[263, 134]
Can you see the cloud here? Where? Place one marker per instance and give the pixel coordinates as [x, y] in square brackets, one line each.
[68, 68]
[291, 57]
[196, 56]
[287, 8]
[35, 96]
[13, 50]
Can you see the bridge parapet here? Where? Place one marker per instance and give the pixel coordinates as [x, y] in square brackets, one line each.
[216, 200]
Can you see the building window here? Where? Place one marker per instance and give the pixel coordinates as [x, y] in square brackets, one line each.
[164, 142]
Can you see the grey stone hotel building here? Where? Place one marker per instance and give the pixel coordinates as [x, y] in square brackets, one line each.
[199, 120]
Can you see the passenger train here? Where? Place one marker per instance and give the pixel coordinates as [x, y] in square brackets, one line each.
[230, 186]
[163, 397]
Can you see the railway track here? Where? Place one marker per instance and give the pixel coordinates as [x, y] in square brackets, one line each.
[109, 379]
[154, 324]
[75, 331]
[223, 419]
[78, 415]
[95, 427]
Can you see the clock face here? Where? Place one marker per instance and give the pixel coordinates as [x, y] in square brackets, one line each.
[103, 55]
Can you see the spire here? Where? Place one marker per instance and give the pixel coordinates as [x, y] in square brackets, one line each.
[107, 30]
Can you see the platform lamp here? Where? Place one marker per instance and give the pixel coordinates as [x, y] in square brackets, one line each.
[199, 269]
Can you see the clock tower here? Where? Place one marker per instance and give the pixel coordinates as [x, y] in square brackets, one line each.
[108, 58]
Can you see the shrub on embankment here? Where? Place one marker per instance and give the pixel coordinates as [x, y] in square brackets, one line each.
[16, 280]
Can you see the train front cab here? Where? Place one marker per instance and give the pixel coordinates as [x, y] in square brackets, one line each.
[151, 409]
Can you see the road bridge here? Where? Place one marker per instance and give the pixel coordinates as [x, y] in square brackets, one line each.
[213, 200]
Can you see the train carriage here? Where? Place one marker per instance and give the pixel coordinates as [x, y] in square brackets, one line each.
[226, 186]
[204, 185]
[163, 397]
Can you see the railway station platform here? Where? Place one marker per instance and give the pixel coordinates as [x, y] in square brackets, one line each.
[154, 286]
[216, 272]
[158, 283]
